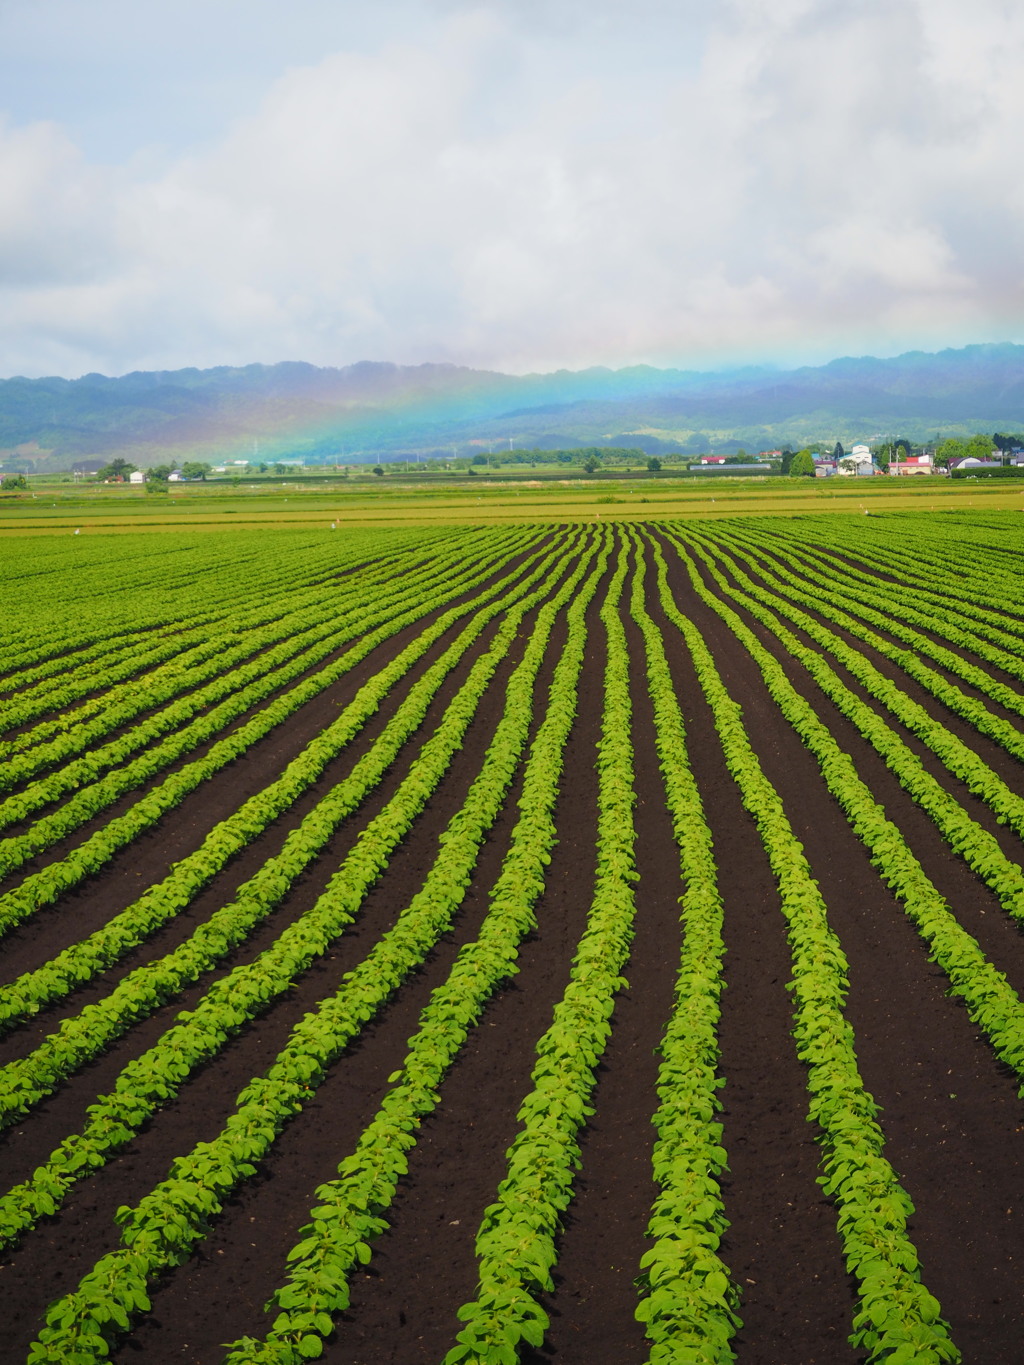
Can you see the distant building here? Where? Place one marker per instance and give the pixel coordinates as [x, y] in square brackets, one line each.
[912, 464]
[137, 476]
[751, 468]
[712, 459]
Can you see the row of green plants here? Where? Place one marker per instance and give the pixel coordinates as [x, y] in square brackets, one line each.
[690, 1299]
[897, 1320]
[192, 720]
[310, 636]
[250, 648]
[890, 613]
[979, 849]
[947, 583]
[350, 1211]
[58, 662]
[955, 755]
[260, 894]
[990, 1001]
[48, 884]
[253, 632]
[516, 1240]
[897, 612]
[81, 678]
[264, 585]
[160, 1231]
[80, 1037]
[76, 683]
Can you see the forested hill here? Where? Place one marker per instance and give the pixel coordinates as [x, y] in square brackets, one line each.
[372, 408]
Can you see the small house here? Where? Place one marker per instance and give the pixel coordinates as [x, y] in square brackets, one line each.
[912, 464]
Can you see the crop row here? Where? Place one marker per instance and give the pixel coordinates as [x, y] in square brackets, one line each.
[43, 887]
[309, 617]
[80, 1037]
[990, 1001]
[221, 650]
[159, 1232]
[690, 1305]
[349, 1212]
[261, 893]
[979, 849]
[897, 1320]
[515, 1244]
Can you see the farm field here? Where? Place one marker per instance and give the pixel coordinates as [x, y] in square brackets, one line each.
[63, 509]
[534, 941]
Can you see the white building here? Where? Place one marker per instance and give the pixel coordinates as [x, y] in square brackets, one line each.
[137, 476]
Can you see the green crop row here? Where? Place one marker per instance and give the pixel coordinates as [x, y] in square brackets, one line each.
[890, 616]
[160, 1231]
[897, 1319]
[260, 894]
[270, 596]
[245, 687]
[337, 616]
[690, 1303]
[890, 613]
[990, 1001]
[979, 849]
[914, 571]
[80, 1037]
[45, 886]
[961, 760]
[349, 1213]
[214, 579]
[515, 1244]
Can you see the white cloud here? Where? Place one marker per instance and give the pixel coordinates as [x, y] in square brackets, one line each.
[530, 186]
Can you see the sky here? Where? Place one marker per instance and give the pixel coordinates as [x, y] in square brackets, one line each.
[515, 184]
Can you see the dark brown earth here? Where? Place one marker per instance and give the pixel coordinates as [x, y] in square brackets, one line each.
[953, 1123]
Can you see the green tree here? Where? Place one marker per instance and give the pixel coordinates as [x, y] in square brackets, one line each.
[479, 459]
[116, 469]
[787, 459]
[10, 483]
[802, 463]
[161, 472]
[653, 463]
[837, 451]
[378, 470]
[590, 464]
[950, 451]
[196, 469]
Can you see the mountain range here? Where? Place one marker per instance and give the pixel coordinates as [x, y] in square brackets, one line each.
[376, 410]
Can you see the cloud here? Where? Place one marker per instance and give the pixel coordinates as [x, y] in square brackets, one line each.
[528, 186]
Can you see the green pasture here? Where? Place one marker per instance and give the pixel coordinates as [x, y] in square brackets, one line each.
[61, 508]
